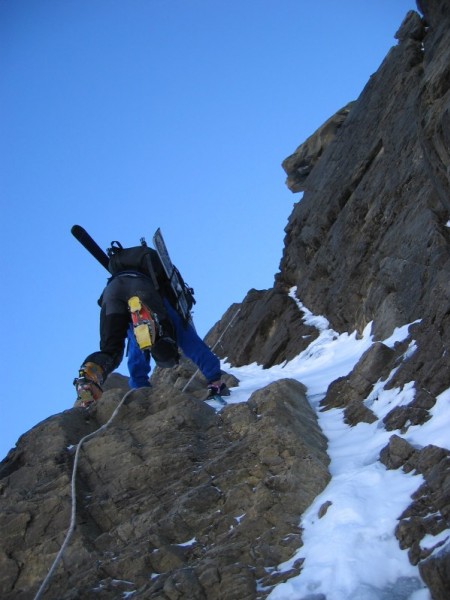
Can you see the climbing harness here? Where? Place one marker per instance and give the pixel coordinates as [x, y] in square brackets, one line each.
[145, 323]
[73, 494]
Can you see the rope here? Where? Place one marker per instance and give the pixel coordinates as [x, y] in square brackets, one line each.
[217, 342]
[75, 466]
[74, 499]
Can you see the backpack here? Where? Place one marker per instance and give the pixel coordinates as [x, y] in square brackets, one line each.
[145, 260]
[137, 258]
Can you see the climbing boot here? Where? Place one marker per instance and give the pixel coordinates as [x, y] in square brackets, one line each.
[145, 324]
[217, 389]
[89, 384]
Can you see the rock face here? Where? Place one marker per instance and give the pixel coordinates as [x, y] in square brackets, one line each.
[174, 501]
[300, 164]
[428, 514]
[177, 501]
[369, 241]
[266, 328]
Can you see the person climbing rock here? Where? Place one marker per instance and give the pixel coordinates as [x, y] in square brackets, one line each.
[139, 292]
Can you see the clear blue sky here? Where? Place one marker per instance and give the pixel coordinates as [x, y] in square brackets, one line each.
[123, 116]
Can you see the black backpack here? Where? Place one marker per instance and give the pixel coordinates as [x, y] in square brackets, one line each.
[141, 259]
[145, 260]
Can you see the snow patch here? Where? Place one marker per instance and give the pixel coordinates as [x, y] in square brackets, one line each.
[361, 559]
[188, 543]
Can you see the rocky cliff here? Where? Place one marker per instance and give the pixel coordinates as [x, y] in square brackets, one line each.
[369, 240]
[176, 500]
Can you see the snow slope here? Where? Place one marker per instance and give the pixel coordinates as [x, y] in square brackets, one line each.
[351, 553]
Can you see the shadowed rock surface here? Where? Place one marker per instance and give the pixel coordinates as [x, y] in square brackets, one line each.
[174, 500]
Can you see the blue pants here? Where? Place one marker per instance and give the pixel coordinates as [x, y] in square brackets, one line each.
[192, 346]
[138, 362]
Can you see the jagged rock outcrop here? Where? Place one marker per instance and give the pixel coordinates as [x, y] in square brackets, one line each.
[173, 500]
[300, 164]
[266, 328]
[429, 513]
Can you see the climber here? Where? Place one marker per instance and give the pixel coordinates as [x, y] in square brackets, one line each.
[137, 272]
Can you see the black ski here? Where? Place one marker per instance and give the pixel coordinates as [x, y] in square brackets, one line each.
[176, 282]
[91, 246]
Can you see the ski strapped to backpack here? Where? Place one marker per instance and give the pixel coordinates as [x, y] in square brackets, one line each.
[91, 246]
[183, 294]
